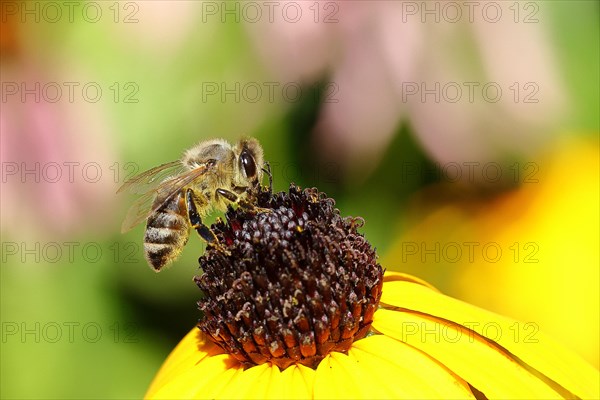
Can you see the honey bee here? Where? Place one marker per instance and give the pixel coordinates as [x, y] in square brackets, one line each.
[176, 195]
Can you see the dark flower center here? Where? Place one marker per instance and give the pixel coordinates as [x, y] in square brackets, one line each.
[293, 284]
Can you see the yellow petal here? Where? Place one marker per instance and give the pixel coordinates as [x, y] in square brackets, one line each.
[379, 367]
[297, 382]
[192, 382]
[480, 364]
[520, 339]
[193, 348]
[333, 382]
[404, 372]
[250, 384]
[274, 383]
[266, 381]
[391, 276]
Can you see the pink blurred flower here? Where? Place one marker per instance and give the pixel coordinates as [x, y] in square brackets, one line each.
[389, 65]
[56, 156]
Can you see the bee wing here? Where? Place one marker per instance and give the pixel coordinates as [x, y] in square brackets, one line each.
[146, 204]
[149, 180]
[139, 211]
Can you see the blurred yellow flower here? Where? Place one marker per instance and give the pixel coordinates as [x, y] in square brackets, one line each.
[547, 234]
[423, 344]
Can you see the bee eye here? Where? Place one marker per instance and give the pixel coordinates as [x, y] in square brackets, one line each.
[247, 164]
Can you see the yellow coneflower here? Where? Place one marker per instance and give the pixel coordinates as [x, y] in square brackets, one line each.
[296, 306]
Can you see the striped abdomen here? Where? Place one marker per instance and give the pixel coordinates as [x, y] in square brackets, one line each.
[167, 231]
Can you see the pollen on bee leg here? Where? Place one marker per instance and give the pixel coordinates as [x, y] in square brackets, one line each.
[292, 285]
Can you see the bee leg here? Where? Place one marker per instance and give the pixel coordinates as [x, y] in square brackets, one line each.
[196, 221]
[267, 170]
[234, 198]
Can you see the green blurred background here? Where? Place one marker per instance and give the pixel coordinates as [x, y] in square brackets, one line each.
[94, 92]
